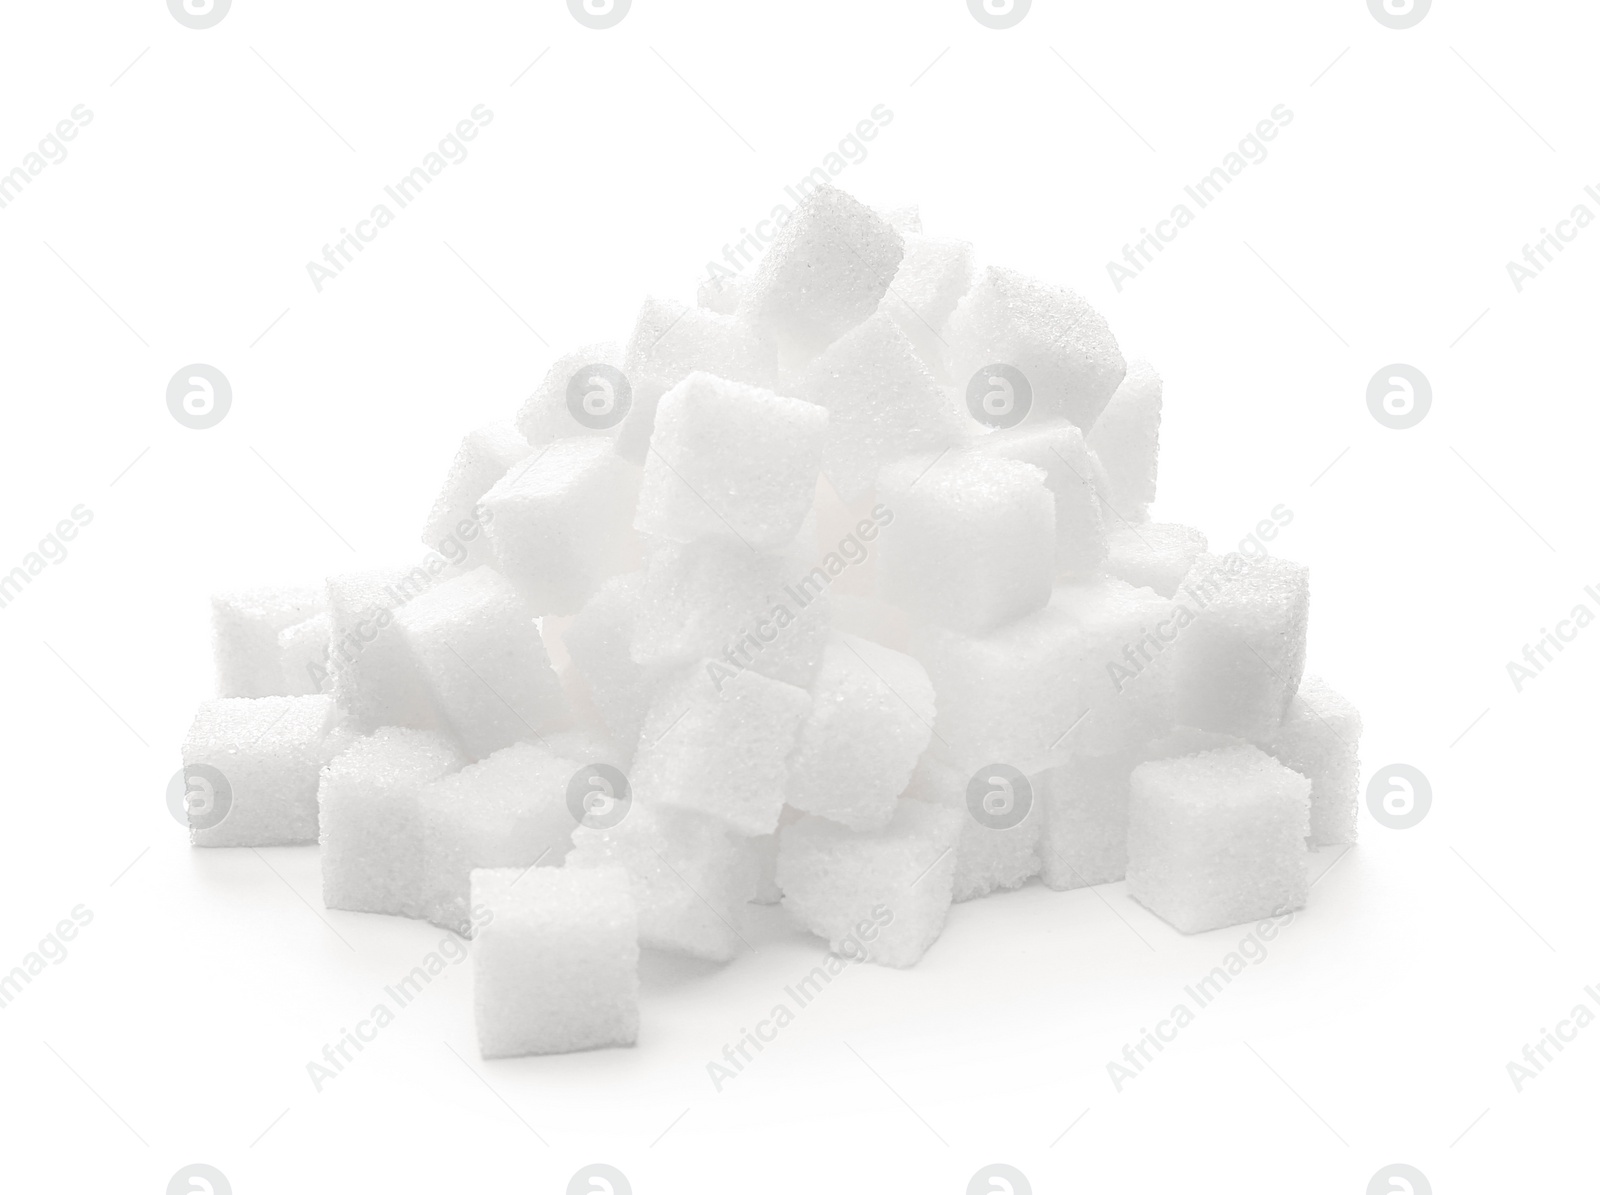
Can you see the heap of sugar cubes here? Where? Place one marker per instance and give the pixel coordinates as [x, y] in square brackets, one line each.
[836, 590]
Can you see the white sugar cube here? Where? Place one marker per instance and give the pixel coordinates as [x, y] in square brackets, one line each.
[1002, 817]
[303, 650]
[1127, 438]
[579, 395]
[1073, 475]
[245, 626]
[933, 277]
[556, 965]
[1085, 833]
[880, 895]
[1218, 839]
[871, 717]
[454, 529]
[373, 854]
[721, 293]
[475, 644]
[1154, 556]
[599, 641]
[1320, 737]
[559, 522]
[255, 762]
[375, 677]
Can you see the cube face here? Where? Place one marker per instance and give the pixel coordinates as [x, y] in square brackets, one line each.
[672, 341]
[1320, 737]
[508, 811]
[882, 402]
[1218, 839]
[559, 523]
[453, 526]
[574, 398]
[883, 894]
[1127, 437]
[999, 850]
[1238, 666]
[1154, 556]
[934, 275]
[556, 963]
[872, 714]
[1061, 345]
[375, 678]
[269, 752]
[1126, 679]
[1073, 474]
[600, 642]
[474, 643]
[731, 462]
[303, 649]
[373, 856]
[972, 544]
[1085, 833]
[828, 269]
[245, 626]
[718, 745]
[691, 878]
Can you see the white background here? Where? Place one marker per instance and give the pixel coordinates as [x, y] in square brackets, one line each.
[177, 230]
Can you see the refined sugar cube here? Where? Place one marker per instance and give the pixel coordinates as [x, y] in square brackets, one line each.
[478, 650]
[871, 717]
[933, 276]
[827, 271]
[1320, 737]
[373, 854]
[1001, 821]
[731, 461]
[579, 395]
[1073, 475]
[1154, 556]
[1238, 665]
[559, 522]
[691, 877]
[1085, 833]
[453, 528]
[883, 893]
[722, 295]
[1218, 839]
[972, 543]
[719, 744]
[672, 341]
[245, 626]
[303, 648]
[556, 966]
[1127, 677]
[1061, 346]
[510, 810]
[882, 404]
[1126, 437]
[600, 641]
[375, 678]
[256, 760]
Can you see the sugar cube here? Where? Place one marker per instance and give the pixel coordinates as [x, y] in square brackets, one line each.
[1001, 821]
[374, 676]
[1085, 833]
[1154, 556]
[934, 274]
[245, 627]
[600, 640]
[1127, 438]
[303, 649]
[584, 393]
[1320, 737]
[1073, 475]
[454, 528]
